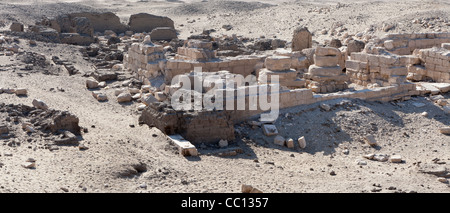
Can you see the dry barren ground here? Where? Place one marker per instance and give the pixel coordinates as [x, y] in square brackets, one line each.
[123, 156]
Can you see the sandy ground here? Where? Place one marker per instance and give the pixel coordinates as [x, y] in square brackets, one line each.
[334, 138]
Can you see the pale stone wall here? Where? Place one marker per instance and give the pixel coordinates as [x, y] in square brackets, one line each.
[434, 65]
[378, 70]
[405, 44]
[146, 60]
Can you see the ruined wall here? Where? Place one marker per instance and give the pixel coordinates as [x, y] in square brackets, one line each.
[145, 59]
[405, 44]
[434, 65]
[382, 70]
[197, 127]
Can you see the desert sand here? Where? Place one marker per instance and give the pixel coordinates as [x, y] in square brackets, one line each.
[123, 156]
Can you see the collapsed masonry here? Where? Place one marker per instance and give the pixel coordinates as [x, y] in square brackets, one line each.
[81, 28]
[310, 75]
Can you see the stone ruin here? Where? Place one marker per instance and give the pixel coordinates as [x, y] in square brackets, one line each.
[379, 72]
[393, 67]
[79, 28]
[325, 75]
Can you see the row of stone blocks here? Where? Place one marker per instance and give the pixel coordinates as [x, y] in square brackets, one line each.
[405, 44]
[385, 70]
[435, 65]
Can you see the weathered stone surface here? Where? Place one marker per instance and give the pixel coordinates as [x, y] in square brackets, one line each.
[20, 91]
[185, 148]
[249, 189]
[434, 169]
[68, 139]
[325, 61]
[39, 104]
[380, 157]
[124, 97]
[102, 21]
[445, 130]
[290, 143]
[327, 51]
[148, 99]
[279, 140]
[269, 129]
[302, 39]
[99, 96]
[223, 143]
[302, 142]
[3, 129]
[396, 159]
[278, 63]
[163, 33]
[144, 22]
[370, 139]
[324, 71]
[355, 46]
[83, 26]
[91, 83]
[16, 27]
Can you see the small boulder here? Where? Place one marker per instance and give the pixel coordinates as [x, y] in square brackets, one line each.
[302, 142]
[290, 143]
[279, 140]
[91, 83]
[370, 139]
[269, 129]
[223, 143]
[396, 159]
[39, 104]
[16, 27]
[20, 91]
[124, 97]
[445, 130]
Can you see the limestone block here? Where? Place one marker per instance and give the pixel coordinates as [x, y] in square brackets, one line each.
[326, 61]
[352, 64]
[185, 148]
[124, 97]
[269, 129]
[394, 71]
[91, 83]
[279, 140]
[20, 91]
[278, 63]
[302, 142]
[324, 71]
[327, 51]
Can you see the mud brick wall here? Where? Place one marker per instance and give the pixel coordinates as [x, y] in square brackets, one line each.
[385, 70]
[405, 44]
[435, 65]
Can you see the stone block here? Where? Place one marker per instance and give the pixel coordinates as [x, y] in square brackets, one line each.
[278, 63]
[352, 64]
[394, 71]
[327, 51]
[326, 61]
[185, 148]
[324, 71]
